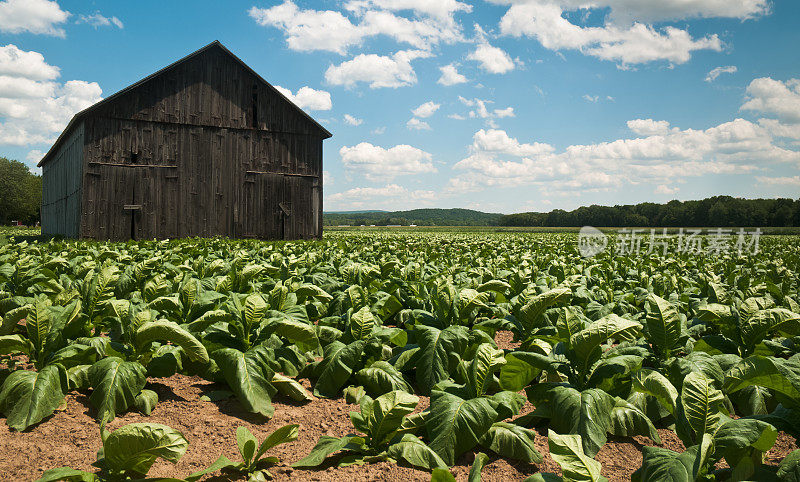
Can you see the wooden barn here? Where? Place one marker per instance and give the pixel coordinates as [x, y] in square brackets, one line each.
[203, 147]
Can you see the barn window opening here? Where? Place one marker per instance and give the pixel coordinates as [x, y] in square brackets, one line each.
[134, 157]
[255, 107]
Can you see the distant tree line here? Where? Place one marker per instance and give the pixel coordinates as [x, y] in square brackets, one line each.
[419, 217]
[20, 193]
[717, 211]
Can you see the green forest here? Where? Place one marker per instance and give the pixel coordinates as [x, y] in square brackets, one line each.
[21, 193]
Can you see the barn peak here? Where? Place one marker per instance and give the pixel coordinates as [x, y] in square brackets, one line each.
[215, 46]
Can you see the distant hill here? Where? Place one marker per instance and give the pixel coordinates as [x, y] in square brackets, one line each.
[420, 217]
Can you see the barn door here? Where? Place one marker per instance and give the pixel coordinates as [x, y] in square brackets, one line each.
[110, 202]
[259, 214]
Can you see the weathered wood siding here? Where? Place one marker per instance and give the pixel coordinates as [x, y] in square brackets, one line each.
[61, 187]
[183, 155]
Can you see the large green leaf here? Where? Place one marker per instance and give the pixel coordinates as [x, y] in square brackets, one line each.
[26, 397]
[774, 373]
[763, 322]
[668, 466]
[325, 446]
[293, 324]
[567, 451]
[740, 438]
[521, 368]
[338, 363]
[115, 383]
[414, 451]
[172, 332]
[513, 442]
[486, 361]
[381, 377]
[386, 415]
[291, 388]
[362, 323]
[10, 344]
[455, 425]
[701, 406]
[627, 421]
[136, 446]
[531, 313]
[656, 385]
[584, 413]
[586, 343]
[248, 375]
[664, 328]
[481, 459]
[285, 434]
[439, 351]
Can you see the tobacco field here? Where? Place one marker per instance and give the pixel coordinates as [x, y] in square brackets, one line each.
[429, 356]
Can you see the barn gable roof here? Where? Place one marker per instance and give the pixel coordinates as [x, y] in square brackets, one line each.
[215, 44]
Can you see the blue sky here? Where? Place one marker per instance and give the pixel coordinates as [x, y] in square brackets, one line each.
[497, 105]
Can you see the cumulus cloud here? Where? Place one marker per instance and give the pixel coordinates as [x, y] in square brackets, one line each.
[627, 35]
[717, 71]
[377, 163]
[662, 155]
[648, 127]
[377, 70]
[426, 110]
[330, 30]
[450, 76]
[34, 108]
[418, 125]
[398, 197]
[353, 121]
[308, 98]
[776, 98]
[33, 16]
[492, 59]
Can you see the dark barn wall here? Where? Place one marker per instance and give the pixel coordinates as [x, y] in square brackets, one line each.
[183, 154]
[61, 187]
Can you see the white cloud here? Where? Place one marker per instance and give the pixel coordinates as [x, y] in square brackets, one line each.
[327, 178]
[664, 189]
[481, 111]
[330, 30]
[717, 71]
[773, 97]
[34, 108]
[15, 62]
[379, 130]
[377, 163]
[591, 98]
[661, 156]
[780, 181]
[450, 76]
[456, 117]
[34, 16]
[417, 125]
[377, 70]
[376, 197]
[627, 37]
[97, 20]
[648, 127]
[492, 59]
[308, 98]
[353, 121]
[426, 110]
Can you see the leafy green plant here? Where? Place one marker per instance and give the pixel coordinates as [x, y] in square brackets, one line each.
[254, 465]
[381, 421]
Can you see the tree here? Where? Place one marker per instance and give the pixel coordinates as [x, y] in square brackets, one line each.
[21, 195]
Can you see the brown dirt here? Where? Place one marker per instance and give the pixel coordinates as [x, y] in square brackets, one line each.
[71, 437]
[505, 340]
